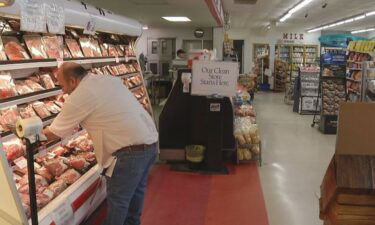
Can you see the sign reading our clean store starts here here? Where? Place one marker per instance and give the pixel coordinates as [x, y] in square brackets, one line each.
[214, 78]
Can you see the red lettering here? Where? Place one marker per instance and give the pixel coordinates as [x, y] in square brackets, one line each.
[290, 36]
[295, 36]
[285, 36]
[301, 36]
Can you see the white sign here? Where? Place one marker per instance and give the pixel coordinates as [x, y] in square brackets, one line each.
[215, 107]
[33, 16]
[214, 78]
[55, 17]
[90, 26]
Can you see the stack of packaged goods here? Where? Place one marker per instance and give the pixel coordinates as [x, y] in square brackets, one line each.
[245, 127]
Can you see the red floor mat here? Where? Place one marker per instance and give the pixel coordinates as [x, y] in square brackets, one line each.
[175, 198]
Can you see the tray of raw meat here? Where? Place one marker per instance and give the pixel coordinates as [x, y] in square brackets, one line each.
[7, 86]
[95, 48]
[54, 46]
[86, 47]
[35, 46]
[74, 48]
[13, 48]
[41, 109]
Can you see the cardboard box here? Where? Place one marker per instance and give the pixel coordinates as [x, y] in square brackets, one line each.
[356, 129]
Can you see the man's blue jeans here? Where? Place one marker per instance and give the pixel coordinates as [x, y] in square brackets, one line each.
[127, 186]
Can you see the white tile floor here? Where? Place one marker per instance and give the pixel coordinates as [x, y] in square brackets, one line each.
[295, 157]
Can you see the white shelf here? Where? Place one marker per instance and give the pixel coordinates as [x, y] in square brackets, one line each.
[30, 98]
[92, 61]
[27, 65]
[136, 88]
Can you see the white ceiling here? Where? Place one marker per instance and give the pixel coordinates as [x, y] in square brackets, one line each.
[264, 11]
[149, 12]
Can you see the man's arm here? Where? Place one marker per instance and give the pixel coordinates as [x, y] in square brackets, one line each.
[50, 136]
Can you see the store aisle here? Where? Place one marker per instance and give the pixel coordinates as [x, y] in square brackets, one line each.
[295, 159]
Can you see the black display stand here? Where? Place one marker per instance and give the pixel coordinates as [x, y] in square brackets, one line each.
[196, 120]
[30, 148]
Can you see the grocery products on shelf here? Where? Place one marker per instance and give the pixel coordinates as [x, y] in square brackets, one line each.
[245, 128]
[309, 90]
[333, 92]
[361, 46]
[281, 74]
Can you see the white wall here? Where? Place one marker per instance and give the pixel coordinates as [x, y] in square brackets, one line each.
[250, 37]
[179, 33]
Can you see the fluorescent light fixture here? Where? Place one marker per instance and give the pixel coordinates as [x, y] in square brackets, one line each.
[344, 21]
[145, 27]
[362, 31]
[176, 18]
[360, 17]
[282, 19]
[296, 8]
[370, 13]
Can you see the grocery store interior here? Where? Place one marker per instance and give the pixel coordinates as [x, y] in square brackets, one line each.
[264, 111]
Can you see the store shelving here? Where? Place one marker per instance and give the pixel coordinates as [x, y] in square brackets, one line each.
[21, 99]
[309, 91]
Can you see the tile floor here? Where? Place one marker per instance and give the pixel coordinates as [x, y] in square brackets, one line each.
[295, 157]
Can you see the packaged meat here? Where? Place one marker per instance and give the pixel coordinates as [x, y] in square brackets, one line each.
[39, 181]
[41, 109]
[60, 104]
[9, 117]
[47, 81]
[42, 200]
[16, 178]
[13, 48]
[58, 150]
[56, 166]
[88, 156]
[54, 46]
[35, 46]
[52, 107]
[56, 187]
[81, 143]
[25, 199]
[13, 149]
[7, 86]
[15, 24]
[43, 171]
[74, 48]
[70, 176]
[3, 56]
[120, 52]
[66, 52]
[111, 50]
[34, 85]
[26, 111]
[104, 50]
[95, 48]
[86, 47]
[22, 88]
[20, 166]
[34, 78]
[77, 162]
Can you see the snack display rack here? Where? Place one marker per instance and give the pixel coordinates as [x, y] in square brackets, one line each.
[358, 52]
[368, 82]
[332, 87]
[281, 74]
[115, 57]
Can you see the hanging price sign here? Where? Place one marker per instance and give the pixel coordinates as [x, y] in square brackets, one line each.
[55, 17]
[33, 16]
[90, 26]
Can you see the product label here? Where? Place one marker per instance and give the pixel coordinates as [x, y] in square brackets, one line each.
[117, 59]
[60, 61]
[21, 162]
[215, 107]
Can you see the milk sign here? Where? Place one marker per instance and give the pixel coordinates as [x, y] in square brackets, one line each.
[214, 78]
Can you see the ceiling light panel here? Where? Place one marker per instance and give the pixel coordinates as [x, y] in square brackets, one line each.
[296, 8]
[176, 18]
[344, 21]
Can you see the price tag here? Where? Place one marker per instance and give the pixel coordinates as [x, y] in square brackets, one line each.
[21, 162]
[60, 61]
[55, 17]
[63, 215]
[117, 59]
[126, 58]
[33, 16]
[90, 26]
